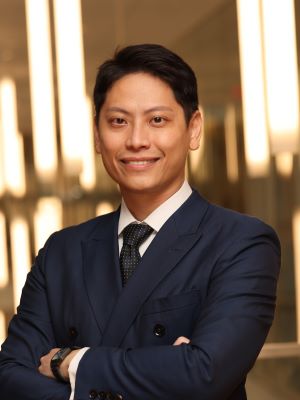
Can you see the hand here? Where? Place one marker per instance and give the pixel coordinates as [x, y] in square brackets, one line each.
[45, 368]
[181, 340]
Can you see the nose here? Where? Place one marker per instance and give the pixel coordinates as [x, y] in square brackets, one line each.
[138, 137]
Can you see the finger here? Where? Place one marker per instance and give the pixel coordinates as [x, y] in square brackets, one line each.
[181, 340]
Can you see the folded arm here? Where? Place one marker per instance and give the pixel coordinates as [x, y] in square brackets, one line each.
[30, 335]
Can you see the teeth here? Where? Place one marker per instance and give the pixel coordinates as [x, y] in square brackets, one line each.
[139, 162]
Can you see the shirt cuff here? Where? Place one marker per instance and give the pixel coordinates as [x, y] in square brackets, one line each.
[73, 369]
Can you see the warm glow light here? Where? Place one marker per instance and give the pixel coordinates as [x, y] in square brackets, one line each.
[284, 164]
[2, 328]
[280, 50]
[12, 140]
[2, 182]
[104, 207]
[47, 219]
[41, 87]
[21, 259]
[88, 176]
[3, 253]
[254, 110]
[71, 81]
[231, 144]
[296, 241]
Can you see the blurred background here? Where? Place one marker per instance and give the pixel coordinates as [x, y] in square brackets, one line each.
[245, 55]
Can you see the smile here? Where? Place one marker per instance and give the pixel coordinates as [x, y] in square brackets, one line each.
[145, 162]
[139, 164]
[139, 161]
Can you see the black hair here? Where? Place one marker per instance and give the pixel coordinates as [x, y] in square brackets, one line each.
[155, 60]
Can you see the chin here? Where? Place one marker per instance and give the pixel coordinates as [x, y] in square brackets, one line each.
[139, 187]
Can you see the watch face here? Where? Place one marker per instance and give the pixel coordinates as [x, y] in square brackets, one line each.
[57, 359]
[59, 355]
[56, 356]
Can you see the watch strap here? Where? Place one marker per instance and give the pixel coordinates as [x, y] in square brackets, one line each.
[57, 359]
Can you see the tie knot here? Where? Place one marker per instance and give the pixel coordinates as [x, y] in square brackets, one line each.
[135, 234]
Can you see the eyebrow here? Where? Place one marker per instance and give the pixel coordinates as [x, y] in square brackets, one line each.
[156, 108]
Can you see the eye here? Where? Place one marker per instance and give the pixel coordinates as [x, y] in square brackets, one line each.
[158, 121]
[118, 121]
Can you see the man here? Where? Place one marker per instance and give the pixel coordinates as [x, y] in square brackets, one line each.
[170, 297]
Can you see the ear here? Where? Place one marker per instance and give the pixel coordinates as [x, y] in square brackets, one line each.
[195, 129]
[97, 137]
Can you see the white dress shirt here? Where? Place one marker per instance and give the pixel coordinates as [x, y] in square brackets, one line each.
[156, 220]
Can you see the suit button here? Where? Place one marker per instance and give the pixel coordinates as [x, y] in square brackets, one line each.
[119, 397]
[73, 333]
[93, 394]
[159, 330]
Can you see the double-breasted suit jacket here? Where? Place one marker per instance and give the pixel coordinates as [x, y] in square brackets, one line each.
[209, 274]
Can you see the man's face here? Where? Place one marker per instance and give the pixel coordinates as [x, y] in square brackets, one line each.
[143, 137]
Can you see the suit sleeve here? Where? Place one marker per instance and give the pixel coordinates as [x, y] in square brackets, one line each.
[231, 328]
[30, 336]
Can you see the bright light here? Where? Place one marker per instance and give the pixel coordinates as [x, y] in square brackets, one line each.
[71, 82]
[2, 178]
[231, 144]
[21, 259]
[41, 87]
[3, 253]
[47, 219]
[2, 328]
[104, 207]
[88, 176]
[296, 241]
[254, 110]
[284, 164]
[280, 50]
[12, 140]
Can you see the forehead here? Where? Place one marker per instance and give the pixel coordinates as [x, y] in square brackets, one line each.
[142, 86]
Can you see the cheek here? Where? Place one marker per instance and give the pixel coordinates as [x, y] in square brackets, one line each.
[175, 147]
[109, 145]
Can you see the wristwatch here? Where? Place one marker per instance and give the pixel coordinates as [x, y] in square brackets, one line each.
[56, 361]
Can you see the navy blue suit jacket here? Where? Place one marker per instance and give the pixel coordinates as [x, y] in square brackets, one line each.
[210, 274]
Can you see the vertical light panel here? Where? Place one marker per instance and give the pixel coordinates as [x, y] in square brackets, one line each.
[284, 163]
[3, 253]
[296, 242]
[47, 219]
[12, 141]
[2, 182]
[88, 175]
[2, 327]
[282, 88]
[252, 76]
[71, 81]
[20, 251]
[41, 88]
[231, 144]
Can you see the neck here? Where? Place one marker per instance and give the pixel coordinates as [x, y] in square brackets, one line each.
[142, 204]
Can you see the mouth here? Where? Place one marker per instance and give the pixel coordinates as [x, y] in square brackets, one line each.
[139, 162]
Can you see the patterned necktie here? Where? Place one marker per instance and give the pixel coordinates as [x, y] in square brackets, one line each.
[133, 236]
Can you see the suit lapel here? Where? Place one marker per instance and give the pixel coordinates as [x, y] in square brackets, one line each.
[177, 236]
[101, 268]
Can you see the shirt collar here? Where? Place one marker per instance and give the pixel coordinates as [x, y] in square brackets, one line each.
[161, 214]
